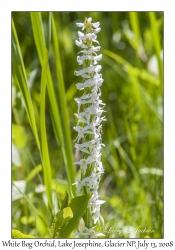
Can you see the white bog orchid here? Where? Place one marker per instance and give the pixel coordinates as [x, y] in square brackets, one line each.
[90, 108]
[83, 164]
[89, 232]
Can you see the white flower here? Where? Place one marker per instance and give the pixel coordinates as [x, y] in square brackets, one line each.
[90, 69]
[99, 168]
[81, 183]
[80, 59]
[94, 129]
[95, 201]
[81, 131]
[80, 34]
[80, 148]
[88, 232]
[97, 58]
[89, 128]
[83, 37]
[94, 157]
[79, 102]
[94, 234]
[97, 216]
[97, 30]
[81, 44]
[83, 25]
[86, 84]
[83, 164]
[87, 113]
[92, 181]
[80, 119]
[90, 51]
[96, 25]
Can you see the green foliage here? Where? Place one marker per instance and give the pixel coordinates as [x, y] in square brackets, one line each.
[37, 213]
[156, 42]
[44, 145]
[19, 136]
[59, 115]
[21, 79]
[61, 219]
[65, 201]
[18, 235]
[33, 173]
[67, 219]
[78, 206]
[63, 111]
[43, 110]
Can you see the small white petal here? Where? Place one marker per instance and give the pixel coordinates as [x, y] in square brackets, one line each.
[95, 41]
[97, 30]
[80, 34]
[98, 58]
[80, 24]
[85, 76]
[78, 43]
[96, 25]
[83, 46]
[89, 19]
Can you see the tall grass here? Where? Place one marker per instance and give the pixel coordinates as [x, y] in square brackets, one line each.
[43, 106]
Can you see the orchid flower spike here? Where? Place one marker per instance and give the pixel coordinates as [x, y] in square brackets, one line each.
[88, 142]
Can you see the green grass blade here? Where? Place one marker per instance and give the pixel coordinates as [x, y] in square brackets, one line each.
[49, 29]
[133, 75]
[33, 173]
[44, 145]
[134, 21]
[147, 98]
[54, 110]
[126, 158]
[156, 42]
[133, 16]
[116, 57]
[59, 186]
[40, 44]
[21, 78]
[38, 34]
[134, 71]
[63, 110]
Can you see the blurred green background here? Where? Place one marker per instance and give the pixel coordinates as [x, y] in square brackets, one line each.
[132, 69]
